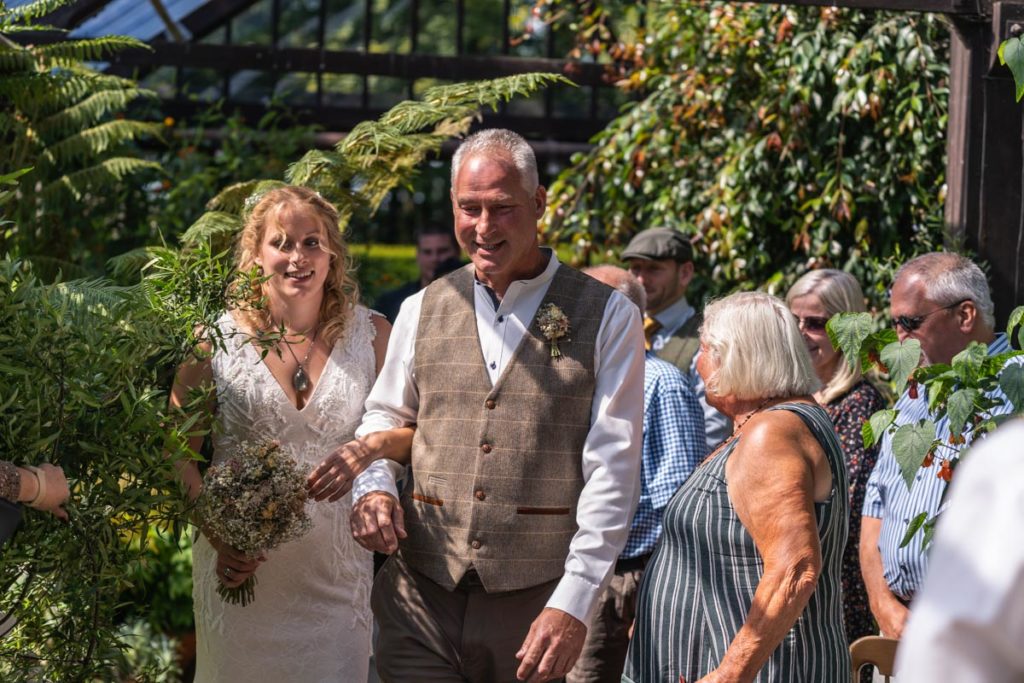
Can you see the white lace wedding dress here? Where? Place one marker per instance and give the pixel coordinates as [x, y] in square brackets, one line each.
[310, 621]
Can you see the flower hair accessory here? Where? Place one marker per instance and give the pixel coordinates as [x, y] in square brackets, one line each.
[554, 325]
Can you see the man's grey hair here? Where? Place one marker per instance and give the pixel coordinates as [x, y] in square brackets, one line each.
[949, 278]
[504, 142]
[621, 280]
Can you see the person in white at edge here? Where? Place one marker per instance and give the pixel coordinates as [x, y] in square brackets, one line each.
[968, 619]
[465, 629]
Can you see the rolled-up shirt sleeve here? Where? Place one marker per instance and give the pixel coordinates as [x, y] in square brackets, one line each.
[394, 400]
[611, 461]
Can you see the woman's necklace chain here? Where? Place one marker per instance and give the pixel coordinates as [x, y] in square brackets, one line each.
[739, 426]
[300, 380]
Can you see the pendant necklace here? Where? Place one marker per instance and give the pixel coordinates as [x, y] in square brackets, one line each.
[300, 380]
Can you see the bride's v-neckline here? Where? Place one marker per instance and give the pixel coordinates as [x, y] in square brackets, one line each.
[281, 391]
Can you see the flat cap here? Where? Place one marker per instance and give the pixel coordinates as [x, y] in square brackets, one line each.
[659, 243]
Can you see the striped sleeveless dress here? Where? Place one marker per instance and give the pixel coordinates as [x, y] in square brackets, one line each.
[698, 588]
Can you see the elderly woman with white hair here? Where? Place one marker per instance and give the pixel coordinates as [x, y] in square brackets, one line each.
[745, 583]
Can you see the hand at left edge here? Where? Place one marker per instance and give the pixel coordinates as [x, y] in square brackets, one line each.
[333, 477]
[551, 647]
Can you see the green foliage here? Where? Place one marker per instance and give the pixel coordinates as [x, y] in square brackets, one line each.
[380, 267]
[67, 123]
[779, 138]
[962, 391]
[80, 390]
[1011, 54]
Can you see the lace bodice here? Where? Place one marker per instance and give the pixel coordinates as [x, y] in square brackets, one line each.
[310, 620]
[252, 406]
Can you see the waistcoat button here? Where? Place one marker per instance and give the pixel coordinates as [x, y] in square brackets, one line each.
[486, 448]
[476, 545]
[480, 495]
[489, 404]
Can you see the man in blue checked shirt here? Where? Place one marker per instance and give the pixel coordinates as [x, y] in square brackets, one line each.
[674, 443]
[943, 301]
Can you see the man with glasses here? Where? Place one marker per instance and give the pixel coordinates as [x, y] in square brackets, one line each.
[943, 301]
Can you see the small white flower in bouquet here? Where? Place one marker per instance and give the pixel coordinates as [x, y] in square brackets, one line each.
[254, 501]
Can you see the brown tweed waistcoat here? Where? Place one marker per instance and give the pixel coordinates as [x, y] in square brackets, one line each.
[497, 470]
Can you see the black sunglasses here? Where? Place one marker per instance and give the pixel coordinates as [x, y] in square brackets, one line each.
[909, 323]
[812, 323]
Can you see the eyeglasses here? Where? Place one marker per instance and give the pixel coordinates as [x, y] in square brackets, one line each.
[909, 323]
[812, 323]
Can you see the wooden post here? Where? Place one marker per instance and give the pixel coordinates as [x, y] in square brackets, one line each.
[985, 163]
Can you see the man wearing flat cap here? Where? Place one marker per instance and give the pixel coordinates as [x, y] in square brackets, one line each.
[662, 260]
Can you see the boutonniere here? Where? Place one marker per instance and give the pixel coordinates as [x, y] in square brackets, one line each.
[554, 325]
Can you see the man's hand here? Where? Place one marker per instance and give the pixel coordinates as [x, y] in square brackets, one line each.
[891, 616]
[551, 647]
[333, 477]
[378, 522]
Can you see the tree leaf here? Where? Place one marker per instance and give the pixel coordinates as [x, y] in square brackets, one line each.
[910, 445]
[1011, 381]
[847, 332]
[875, 427]
[1015, 319]
[913, 527]
[902, 358]
[969, 363]
[1011, 54]
[959, 408]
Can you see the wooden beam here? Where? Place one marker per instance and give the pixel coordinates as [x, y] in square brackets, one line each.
[312, 60]
[951, 7]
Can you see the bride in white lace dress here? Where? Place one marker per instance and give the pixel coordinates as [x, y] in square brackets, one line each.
[310, 620]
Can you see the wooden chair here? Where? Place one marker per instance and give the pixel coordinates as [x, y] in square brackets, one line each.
[874, 650]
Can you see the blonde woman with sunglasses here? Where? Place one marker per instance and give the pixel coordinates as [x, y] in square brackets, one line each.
[849, 400]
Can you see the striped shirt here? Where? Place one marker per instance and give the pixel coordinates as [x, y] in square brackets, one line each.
[698, 589]
[888, 498]
[673, 445]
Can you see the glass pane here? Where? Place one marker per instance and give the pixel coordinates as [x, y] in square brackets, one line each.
[203, 84]
[437, 27]
[527, 34]
[482, 31]
[216, 37]
[296, 89]
[342, 90]
[252, 26]
[534, 106]
[299, 23]
[252, 86]
[161, 81]
[392, 22]
[386, 92]
[344, 29]
[570, 102]
[609, 101]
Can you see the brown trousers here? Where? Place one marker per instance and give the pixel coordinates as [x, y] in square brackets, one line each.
[604, 652]
[427, 633]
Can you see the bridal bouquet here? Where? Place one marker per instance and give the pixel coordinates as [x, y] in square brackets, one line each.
[254, 501]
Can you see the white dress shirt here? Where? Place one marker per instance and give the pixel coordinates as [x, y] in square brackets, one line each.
[717, 426]
[967, 622]
[611, 451]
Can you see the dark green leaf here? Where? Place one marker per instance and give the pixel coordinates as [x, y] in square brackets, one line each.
[902, 358]
[910, 445]
[1011, 381]
[847, 331]
[875, 427]
[913, 527]
[1011, 54]
[1013, 322]
[959, 408]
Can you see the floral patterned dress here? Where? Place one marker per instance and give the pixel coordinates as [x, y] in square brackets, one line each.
[849, 412]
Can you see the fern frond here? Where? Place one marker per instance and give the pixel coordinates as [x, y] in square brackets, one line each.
[32, 28]
[131, 263]
[316, 165]
[89, 50]
[90, 110]
[98, 139]
[41, 94]
[492, 92]
[103, 174]
[29, 11]
[212, 225]
[232, 199]
[15, 58]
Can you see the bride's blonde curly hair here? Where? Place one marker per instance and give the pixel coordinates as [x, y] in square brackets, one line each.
[341, 290]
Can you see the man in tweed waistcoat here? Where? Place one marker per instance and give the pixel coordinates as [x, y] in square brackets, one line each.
[525, 463]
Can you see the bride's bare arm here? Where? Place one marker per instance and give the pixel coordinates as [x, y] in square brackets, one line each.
[333, 477]
[193, 374]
